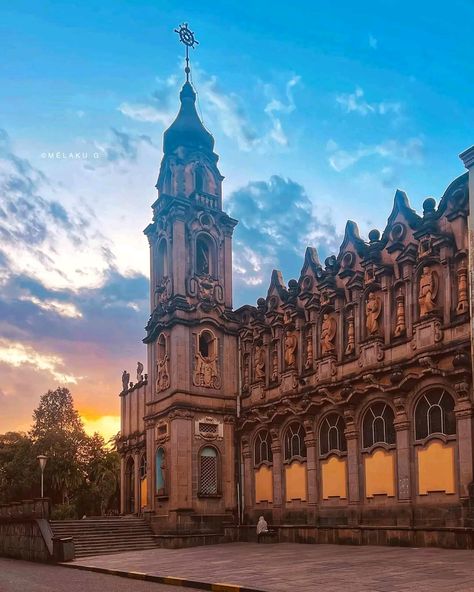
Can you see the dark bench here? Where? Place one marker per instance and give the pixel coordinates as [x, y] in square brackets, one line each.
[269, 536]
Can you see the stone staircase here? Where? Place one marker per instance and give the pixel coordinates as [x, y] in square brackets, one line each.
[103, 536]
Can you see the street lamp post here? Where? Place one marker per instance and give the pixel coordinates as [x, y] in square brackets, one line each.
[42, 462]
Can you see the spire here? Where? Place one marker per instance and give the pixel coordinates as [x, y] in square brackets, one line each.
[187, 129]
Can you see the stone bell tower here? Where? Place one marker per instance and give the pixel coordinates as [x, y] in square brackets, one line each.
[191, 335]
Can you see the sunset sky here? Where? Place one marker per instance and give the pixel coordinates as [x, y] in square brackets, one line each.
[320, 111]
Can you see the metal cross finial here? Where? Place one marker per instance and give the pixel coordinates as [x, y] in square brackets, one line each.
[187, 37]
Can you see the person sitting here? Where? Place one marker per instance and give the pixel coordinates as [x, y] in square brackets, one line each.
[262, 529]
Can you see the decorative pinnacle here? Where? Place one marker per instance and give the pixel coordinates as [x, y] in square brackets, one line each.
[187, 37]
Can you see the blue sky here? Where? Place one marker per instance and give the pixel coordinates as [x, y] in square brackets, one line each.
[320, 112]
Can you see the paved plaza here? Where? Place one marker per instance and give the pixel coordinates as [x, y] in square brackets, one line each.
[306, 568]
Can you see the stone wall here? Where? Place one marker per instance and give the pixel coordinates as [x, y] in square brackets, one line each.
[25, 532]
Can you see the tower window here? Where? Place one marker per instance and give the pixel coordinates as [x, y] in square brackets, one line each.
[206, 344]
[203, 256]
[162, 260]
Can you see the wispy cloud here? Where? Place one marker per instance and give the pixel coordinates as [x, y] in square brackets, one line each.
[18, 354]
[356, 103]
[409, 152]
[265, 238]
[223, 110]
[64, 309]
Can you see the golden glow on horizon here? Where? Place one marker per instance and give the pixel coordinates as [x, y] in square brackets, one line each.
[106, 425]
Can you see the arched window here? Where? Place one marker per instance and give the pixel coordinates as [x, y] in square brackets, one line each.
[160, 472]
[262, 448]
[331, 434]
[207, 345]
[199, 179]
[378, 425]
[294, 441]
[434, 414]
[162, 260]
[204, 258]
[143, 467]
[208, 477]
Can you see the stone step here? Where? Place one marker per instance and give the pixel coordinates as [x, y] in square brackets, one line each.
[108, 535]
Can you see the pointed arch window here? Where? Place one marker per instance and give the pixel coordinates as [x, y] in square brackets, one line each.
[378, 425]
[294, 441]
[434, 414]
[331, 434]
[262, 448]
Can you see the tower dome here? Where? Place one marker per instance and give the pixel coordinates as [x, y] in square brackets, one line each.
[187, 129]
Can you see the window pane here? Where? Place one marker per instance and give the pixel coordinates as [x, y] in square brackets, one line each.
[435, 420]
[421, 419]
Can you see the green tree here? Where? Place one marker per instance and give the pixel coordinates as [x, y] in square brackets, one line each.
[19, 469]
[58, 432]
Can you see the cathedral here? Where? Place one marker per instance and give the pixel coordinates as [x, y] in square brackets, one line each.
[341, 402]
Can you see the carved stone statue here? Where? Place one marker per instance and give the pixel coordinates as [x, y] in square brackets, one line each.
[139, 371]
[125, 380]
[350, 336]
[205, 371]
[162, 373]
[309, 350]
[373, 308]
[328, 334]
[400, 326]
[291, 343]
[428, 291]
[259, 361]
[463, 304]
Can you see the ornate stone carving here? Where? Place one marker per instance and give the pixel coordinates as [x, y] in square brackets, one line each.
[163, 291]
[309, 349]
[259, 362]
[125, 380]
[400, 323]
[350, 336]
[373, 308]
[139, 372]
[371, 353]
[291, 343]
[245, 373]
[205, 371]
[274, 376]
[328, 334]
[207, 290]
[463, 303]
[162, 381]
[428, 290]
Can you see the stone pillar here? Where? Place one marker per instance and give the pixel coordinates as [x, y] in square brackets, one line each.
[179, 252]
[180, 469]
[468, 159]
[402, 428]
[150, 463]
[352, 465]
[228, 465]
[136, 493]
[464, 428]
[311, 468]
[247, 488]
[123, 491]
[277, 476]
[227, 271]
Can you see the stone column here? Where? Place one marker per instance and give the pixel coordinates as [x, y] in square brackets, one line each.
[277, 476]
[352, 465]
[123, 492]
[402, 428]
[464, 427]
[136, 493]
[179, 252]
[311, 468]
[248, 494]
[468, 159]
[150, 463]
[228, 465]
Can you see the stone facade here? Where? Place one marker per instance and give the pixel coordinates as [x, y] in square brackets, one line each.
[343, 398]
